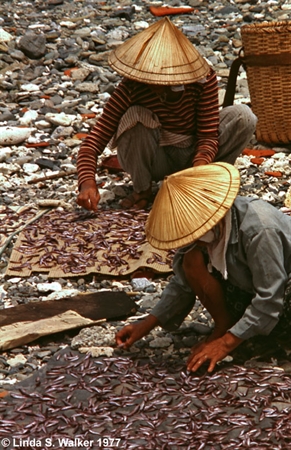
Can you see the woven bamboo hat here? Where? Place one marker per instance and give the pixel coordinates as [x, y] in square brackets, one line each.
[160, 54]
[189, 203]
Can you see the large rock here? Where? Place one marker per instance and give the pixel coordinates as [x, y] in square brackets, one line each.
[13, 135]
[33, 45]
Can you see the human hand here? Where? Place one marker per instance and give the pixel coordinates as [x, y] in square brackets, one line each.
[89, 195]
[133, 332]
[207, 351]
[212, 351]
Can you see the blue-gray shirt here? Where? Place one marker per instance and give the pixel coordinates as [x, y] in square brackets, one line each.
[258, 261]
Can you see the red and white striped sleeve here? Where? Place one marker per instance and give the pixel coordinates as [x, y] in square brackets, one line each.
[207, 121]
[102, 132]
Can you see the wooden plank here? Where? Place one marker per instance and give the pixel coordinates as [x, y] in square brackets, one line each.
[94, 306]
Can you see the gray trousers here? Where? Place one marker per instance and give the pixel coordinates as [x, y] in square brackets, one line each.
[141, 155]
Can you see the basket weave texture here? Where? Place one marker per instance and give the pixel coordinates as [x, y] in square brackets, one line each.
[267, 56]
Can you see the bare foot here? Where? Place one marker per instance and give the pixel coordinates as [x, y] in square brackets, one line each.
[137, 200]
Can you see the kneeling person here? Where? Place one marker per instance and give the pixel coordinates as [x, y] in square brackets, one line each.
[234, 255]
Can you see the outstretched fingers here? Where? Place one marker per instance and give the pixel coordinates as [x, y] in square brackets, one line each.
[213, 352]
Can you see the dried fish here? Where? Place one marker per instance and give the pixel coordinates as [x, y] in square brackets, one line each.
[154, 415]
[75, 242]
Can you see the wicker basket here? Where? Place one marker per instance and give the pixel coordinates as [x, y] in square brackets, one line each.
[267, 58]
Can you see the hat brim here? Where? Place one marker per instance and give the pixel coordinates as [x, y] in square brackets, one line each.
[190, 203]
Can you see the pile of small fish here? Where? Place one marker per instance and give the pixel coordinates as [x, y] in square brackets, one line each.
[150, 403]
[76, 241]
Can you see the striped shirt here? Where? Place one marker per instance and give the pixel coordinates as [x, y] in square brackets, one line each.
[195, 114]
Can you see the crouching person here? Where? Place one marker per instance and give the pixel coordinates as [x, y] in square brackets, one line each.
[234, 254]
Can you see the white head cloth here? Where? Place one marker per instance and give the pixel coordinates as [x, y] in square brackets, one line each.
[217, 249]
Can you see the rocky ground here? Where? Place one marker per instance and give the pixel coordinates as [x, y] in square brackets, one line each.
[54, 81]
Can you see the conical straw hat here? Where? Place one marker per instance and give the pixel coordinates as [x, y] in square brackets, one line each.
[189, 203]
[160, 54]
